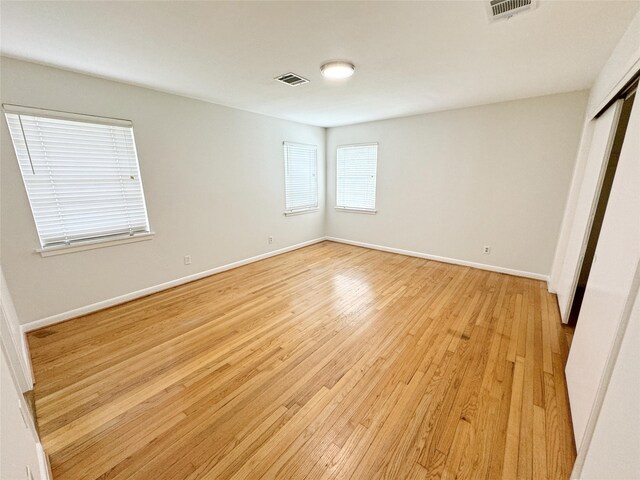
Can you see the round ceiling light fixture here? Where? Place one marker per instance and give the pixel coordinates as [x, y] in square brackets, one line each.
[337, 70]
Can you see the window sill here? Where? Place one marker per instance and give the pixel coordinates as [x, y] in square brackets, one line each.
[301, 212]
[357, 210]
[92, 244]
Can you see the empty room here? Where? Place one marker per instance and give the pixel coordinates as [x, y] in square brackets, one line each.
[320, 240]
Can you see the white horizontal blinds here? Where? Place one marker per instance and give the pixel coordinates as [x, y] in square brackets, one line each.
[356, 176]
[301, 176]
[82, 178]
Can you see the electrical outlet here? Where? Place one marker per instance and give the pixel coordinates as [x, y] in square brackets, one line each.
[270, 240]
[187, 259]
[486, 250]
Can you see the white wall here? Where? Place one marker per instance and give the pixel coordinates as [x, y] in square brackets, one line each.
[621, 66]
[213, 179]
[451, 182]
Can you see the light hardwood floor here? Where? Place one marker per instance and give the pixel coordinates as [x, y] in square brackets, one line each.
[332, 361]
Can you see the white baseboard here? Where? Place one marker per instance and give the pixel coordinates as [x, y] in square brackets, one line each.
[454, 261]
[43, 463]
[45, 322]
[94, 307]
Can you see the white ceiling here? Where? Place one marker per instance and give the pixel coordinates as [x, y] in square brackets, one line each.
[410, 57]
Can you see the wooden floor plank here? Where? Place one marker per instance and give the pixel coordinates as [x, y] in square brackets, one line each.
[331, 361]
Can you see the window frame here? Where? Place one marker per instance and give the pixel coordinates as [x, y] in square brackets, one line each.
[351, 209]
[300, 211]
[90, 242]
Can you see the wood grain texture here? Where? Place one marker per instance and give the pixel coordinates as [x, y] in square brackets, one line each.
[332, 361]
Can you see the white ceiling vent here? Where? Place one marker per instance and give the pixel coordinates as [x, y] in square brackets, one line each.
[292, 79]
[500, 9]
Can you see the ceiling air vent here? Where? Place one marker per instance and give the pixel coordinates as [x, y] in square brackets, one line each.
[499, 9]
[292, 79]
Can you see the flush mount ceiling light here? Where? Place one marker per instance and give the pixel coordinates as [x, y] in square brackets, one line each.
[337, 70]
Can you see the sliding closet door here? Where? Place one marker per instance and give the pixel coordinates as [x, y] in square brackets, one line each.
[616, 258]
[601, 143]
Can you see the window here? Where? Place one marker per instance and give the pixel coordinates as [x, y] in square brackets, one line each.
[81, 175]
[356, 177]
[301, 178]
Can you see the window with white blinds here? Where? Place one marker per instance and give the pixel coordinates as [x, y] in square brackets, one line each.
[356, 177]
[301, 177]
[81, 175]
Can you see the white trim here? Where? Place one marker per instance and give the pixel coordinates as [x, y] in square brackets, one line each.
[632, 69]
[77, 117]
[366, 144]
[454, 261]
[301, 211]
[14, 340]
[92, 244]
[27, 357]
[368, 211]
[16, 353]
[348, 209]
[300, 143]
[60, 317]
[43, 463]
[571, 202]
[616, 111]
